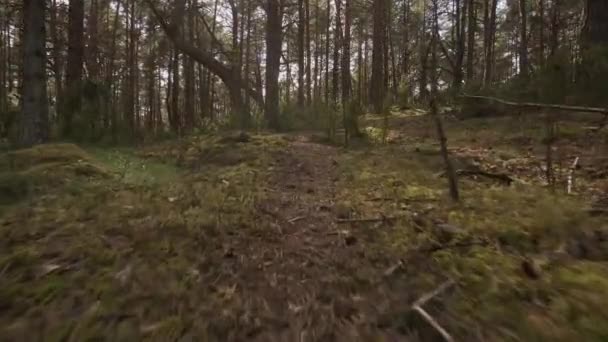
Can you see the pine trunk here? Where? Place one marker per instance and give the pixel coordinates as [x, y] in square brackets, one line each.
[34, 121]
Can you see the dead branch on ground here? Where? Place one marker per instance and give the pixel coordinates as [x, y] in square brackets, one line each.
[417, 306]
[497, 176]
[571, 175]
[367, 220]
[533, 105]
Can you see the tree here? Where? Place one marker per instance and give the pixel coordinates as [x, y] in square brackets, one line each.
[489, 39]
[523, 43]
[377, 86]
[72, 99]
[34, 121]
[274, 18]
[301, 51]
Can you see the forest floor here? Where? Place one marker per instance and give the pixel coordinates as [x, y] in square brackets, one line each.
[281, 237]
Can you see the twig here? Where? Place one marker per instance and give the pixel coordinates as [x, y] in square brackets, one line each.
[296, 219]
[571, 174]
[430, 295]
[425, 298]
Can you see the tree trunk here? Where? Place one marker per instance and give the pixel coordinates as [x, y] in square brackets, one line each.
[308, 53]
[348, 117]
[541, 32]
[246, 76]
[175, 120]
[189, 75]
[327, 38]
[273, 61]
[595, 29]
[378, 58]
[93, 41]
[337, 47]
[450, 172]
[555, 27]
[56, 53]
[301, 66]
[489, 38]
[72, 98]
[472, 18]
[461, 14]
[109, 77]
[523, 40]
[34, 121]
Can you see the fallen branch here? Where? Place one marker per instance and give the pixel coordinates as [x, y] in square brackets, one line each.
[571, 175]
[603, 111]
[498, 176]
[373, 219]
[417, 306]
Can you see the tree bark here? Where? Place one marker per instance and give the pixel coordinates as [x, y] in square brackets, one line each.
[274, 14]
[34, 121]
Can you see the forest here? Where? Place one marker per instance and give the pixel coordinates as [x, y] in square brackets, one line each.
[304, 170]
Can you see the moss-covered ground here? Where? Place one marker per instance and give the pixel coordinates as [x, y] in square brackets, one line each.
[275, 237]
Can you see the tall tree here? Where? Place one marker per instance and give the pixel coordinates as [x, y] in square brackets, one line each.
[34, 121]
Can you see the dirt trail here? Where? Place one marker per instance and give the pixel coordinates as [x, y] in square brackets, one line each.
[305, 280]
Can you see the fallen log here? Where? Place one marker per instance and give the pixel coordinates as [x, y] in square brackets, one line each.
[533, 105]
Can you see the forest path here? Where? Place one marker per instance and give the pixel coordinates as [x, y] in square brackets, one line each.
[312, 277]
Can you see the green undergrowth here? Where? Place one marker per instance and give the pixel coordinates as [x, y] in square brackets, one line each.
[118, 253]
[529, 264]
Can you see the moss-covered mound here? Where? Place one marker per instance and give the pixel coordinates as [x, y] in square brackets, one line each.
[40, 168]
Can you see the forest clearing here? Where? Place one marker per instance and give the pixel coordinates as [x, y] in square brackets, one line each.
[303, 170]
